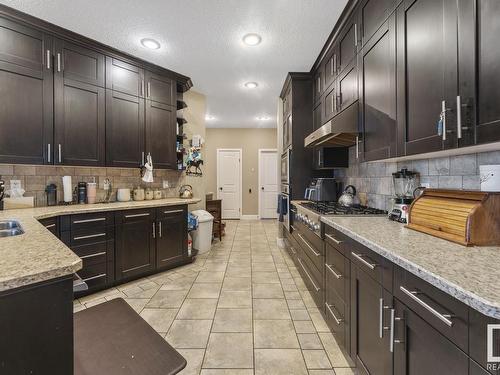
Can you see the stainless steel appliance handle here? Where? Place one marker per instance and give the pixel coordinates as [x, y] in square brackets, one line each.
[136, 215]
[309, 246]
[48, 59]
[445, 318]
[338, 242]
[337, 275]
[359, 257]
[459, 117]
[337, 320]
[48, 152]
[143, 161]
[60, 153]
[308, 276]
[89, 236]
[93, 255]
[159, 229]
[173, 211]
[58, 62]
[357, 147]
[89, 220]
[154, 230]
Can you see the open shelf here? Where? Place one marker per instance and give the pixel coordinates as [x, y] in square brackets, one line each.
[181, 104]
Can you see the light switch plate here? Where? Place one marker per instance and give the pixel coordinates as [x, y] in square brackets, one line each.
[166, 185]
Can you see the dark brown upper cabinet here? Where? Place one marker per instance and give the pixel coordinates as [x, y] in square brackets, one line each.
[378, 94]
[160, 89]
[26, 89]
[330, 69]
[317, 116]
[125, 130]
[161, 134]
[372, 14]
[426, 74]
[171, 239]
[347, 86]
[79, 106]
[124, 77]
[347, 45]
[318, 85]
[330, 104]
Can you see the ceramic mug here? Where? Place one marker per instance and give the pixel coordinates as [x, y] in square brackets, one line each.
[123, 195]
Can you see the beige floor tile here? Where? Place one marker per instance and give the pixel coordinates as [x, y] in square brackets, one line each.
[189, 334]
[205, 290]
[197, 309]
[319, 321]
[233, 320]
[279, 362]
[237, 284]
[309, 341]
[323, 372]
[300, 314]
[334, 352]
[316, 359]
[239, 271]
[267, 291]
[290, 287]
[295, 304]
[265, 309]
[194, 359]
[137, 303]
[265, 277]
[210, 277]
[235, 299]
[221, 351]
[304, 326]
[183, 283]
[137, 292]
[292, 295]
[159, 319]
[345, 371]
[167, 299]
[232, 371]
[95, 302]
[275, 334]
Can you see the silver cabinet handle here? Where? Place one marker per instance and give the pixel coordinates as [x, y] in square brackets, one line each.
[337, 320]
[331, 66]
[331, 103]
[459, 117]
[445, 318]
[293, 250]
[154, 230]
[308, 276]
[173, 211]
[58, 62]
[89, 236]
[355, 34]
[50, 226]
[381, 327]
[330, 237]
[60, 153]
[94, 277]
[48, 152]
[93, 255]
[149, 89]
[357, 147]
[316, 254]
[136, 215]
[142, 87]
[89, 220]
[159, 229]
[292, 227]
[335, 62]
[48, 59]
[330, 268]
[359, 257]
[319, 84]
[391, 333]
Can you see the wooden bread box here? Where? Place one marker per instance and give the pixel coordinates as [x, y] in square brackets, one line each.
[465, 217]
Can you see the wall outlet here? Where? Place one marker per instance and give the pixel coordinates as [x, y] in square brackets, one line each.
[166, 185]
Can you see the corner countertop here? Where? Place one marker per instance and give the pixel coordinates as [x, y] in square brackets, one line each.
[37, 255]
[470, 274]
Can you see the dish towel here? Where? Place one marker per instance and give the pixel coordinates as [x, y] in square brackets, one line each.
[148, 173]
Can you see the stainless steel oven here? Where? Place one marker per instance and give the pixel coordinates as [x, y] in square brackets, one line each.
[285, 167]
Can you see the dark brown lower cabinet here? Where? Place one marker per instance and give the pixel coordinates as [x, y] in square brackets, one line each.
[135, 234]
[420, 349]
[171, 241]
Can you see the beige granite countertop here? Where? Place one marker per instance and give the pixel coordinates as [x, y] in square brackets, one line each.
[470, 274]
[37, 255]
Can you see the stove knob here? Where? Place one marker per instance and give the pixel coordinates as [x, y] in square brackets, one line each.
[316, 227]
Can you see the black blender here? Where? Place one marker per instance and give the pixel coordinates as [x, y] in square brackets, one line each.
[405, 184]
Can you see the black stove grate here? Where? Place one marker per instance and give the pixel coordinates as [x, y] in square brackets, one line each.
[334, 208]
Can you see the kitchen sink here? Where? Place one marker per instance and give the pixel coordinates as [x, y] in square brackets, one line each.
[9, 228]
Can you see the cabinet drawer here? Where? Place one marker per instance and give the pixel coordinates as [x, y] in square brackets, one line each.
[337, 269]
[478, 324]
[87, 221]
[337, 239]
[311, 276]
[336, 319]
[313, 253]
[51, 224]
[130, 216]
[375, 265]
[169, 211]
[90, 236]
[443, 312]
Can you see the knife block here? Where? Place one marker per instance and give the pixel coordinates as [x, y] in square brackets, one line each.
[465, 217]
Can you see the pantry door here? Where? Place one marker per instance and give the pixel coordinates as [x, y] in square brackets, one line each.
[229, 179]
[268, 183]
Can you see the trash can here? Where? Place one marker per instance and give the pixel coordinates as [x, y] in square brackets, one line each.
[202, 236]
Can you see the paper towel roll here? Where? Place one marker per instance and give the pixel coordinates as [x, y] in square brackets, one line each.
[68, 189]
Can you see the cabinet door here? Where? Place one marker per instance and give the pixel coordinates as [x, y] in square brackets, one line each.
[160, 89]
[371, 304]
[135, 247]
[348, 44]
[378, 94]
[171, 242]
[161, 134]
[330, 70]
[124, 130]
[347, 87]
[318, 86]
[26, 89]
[420, 349]
[330, 105]
[372, 14]
[427, 74]
[125, 78]
[317, 116]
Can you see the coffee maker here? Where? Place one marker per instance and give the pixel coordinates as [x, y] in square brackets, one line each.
[405, 184]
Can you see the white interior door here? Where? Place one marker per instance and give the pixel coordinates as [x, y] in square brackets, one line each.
[229, 182]
[268, 180]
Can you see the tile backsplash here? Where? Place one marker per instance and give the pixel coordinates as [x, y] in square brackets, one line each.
[374, 180]
[35, 178]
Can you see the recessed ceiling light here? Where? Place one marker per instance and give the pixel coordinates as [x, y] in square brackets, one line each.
[150, 43]
[252, 39]
[251, 85]
[209, 118]
[263, 118]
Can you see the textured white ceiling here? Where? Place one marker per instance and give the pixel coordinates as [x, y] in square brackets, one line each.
[202, 39]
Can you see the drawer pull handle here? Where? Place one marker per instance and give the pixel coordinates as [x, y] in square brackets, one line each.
[337, 275]
[359, 257]
[293, 250]
[445, 318]
[173, 211]
[292, 227]
[89, 220]
[136, 215]
[95, 277]
[309, 276]
[89, 236]
[50, 226]
[93, 255]
[316, 254]
[330, 237]
[337, 320]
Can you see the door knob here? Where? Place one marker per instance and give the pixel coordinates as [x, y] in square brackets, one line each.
[220, 188]
[262, 188]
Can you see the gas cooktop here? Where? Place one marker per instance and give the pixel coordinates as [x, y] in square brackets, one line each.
[333, 208]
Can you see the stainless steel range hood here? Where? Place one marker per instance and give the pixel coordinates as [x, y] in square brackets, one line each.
[341, 130]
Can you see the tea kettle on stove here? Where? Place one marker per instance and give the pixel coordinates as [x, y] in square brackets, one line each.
[349, 197]
[186, 192]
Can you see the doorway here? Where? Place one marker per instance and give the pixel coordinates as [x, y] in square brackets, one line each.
[229, 181]
[268, 183]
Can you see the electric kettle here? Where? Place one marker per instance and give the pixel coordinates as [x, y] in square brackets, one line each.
[186, 192]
